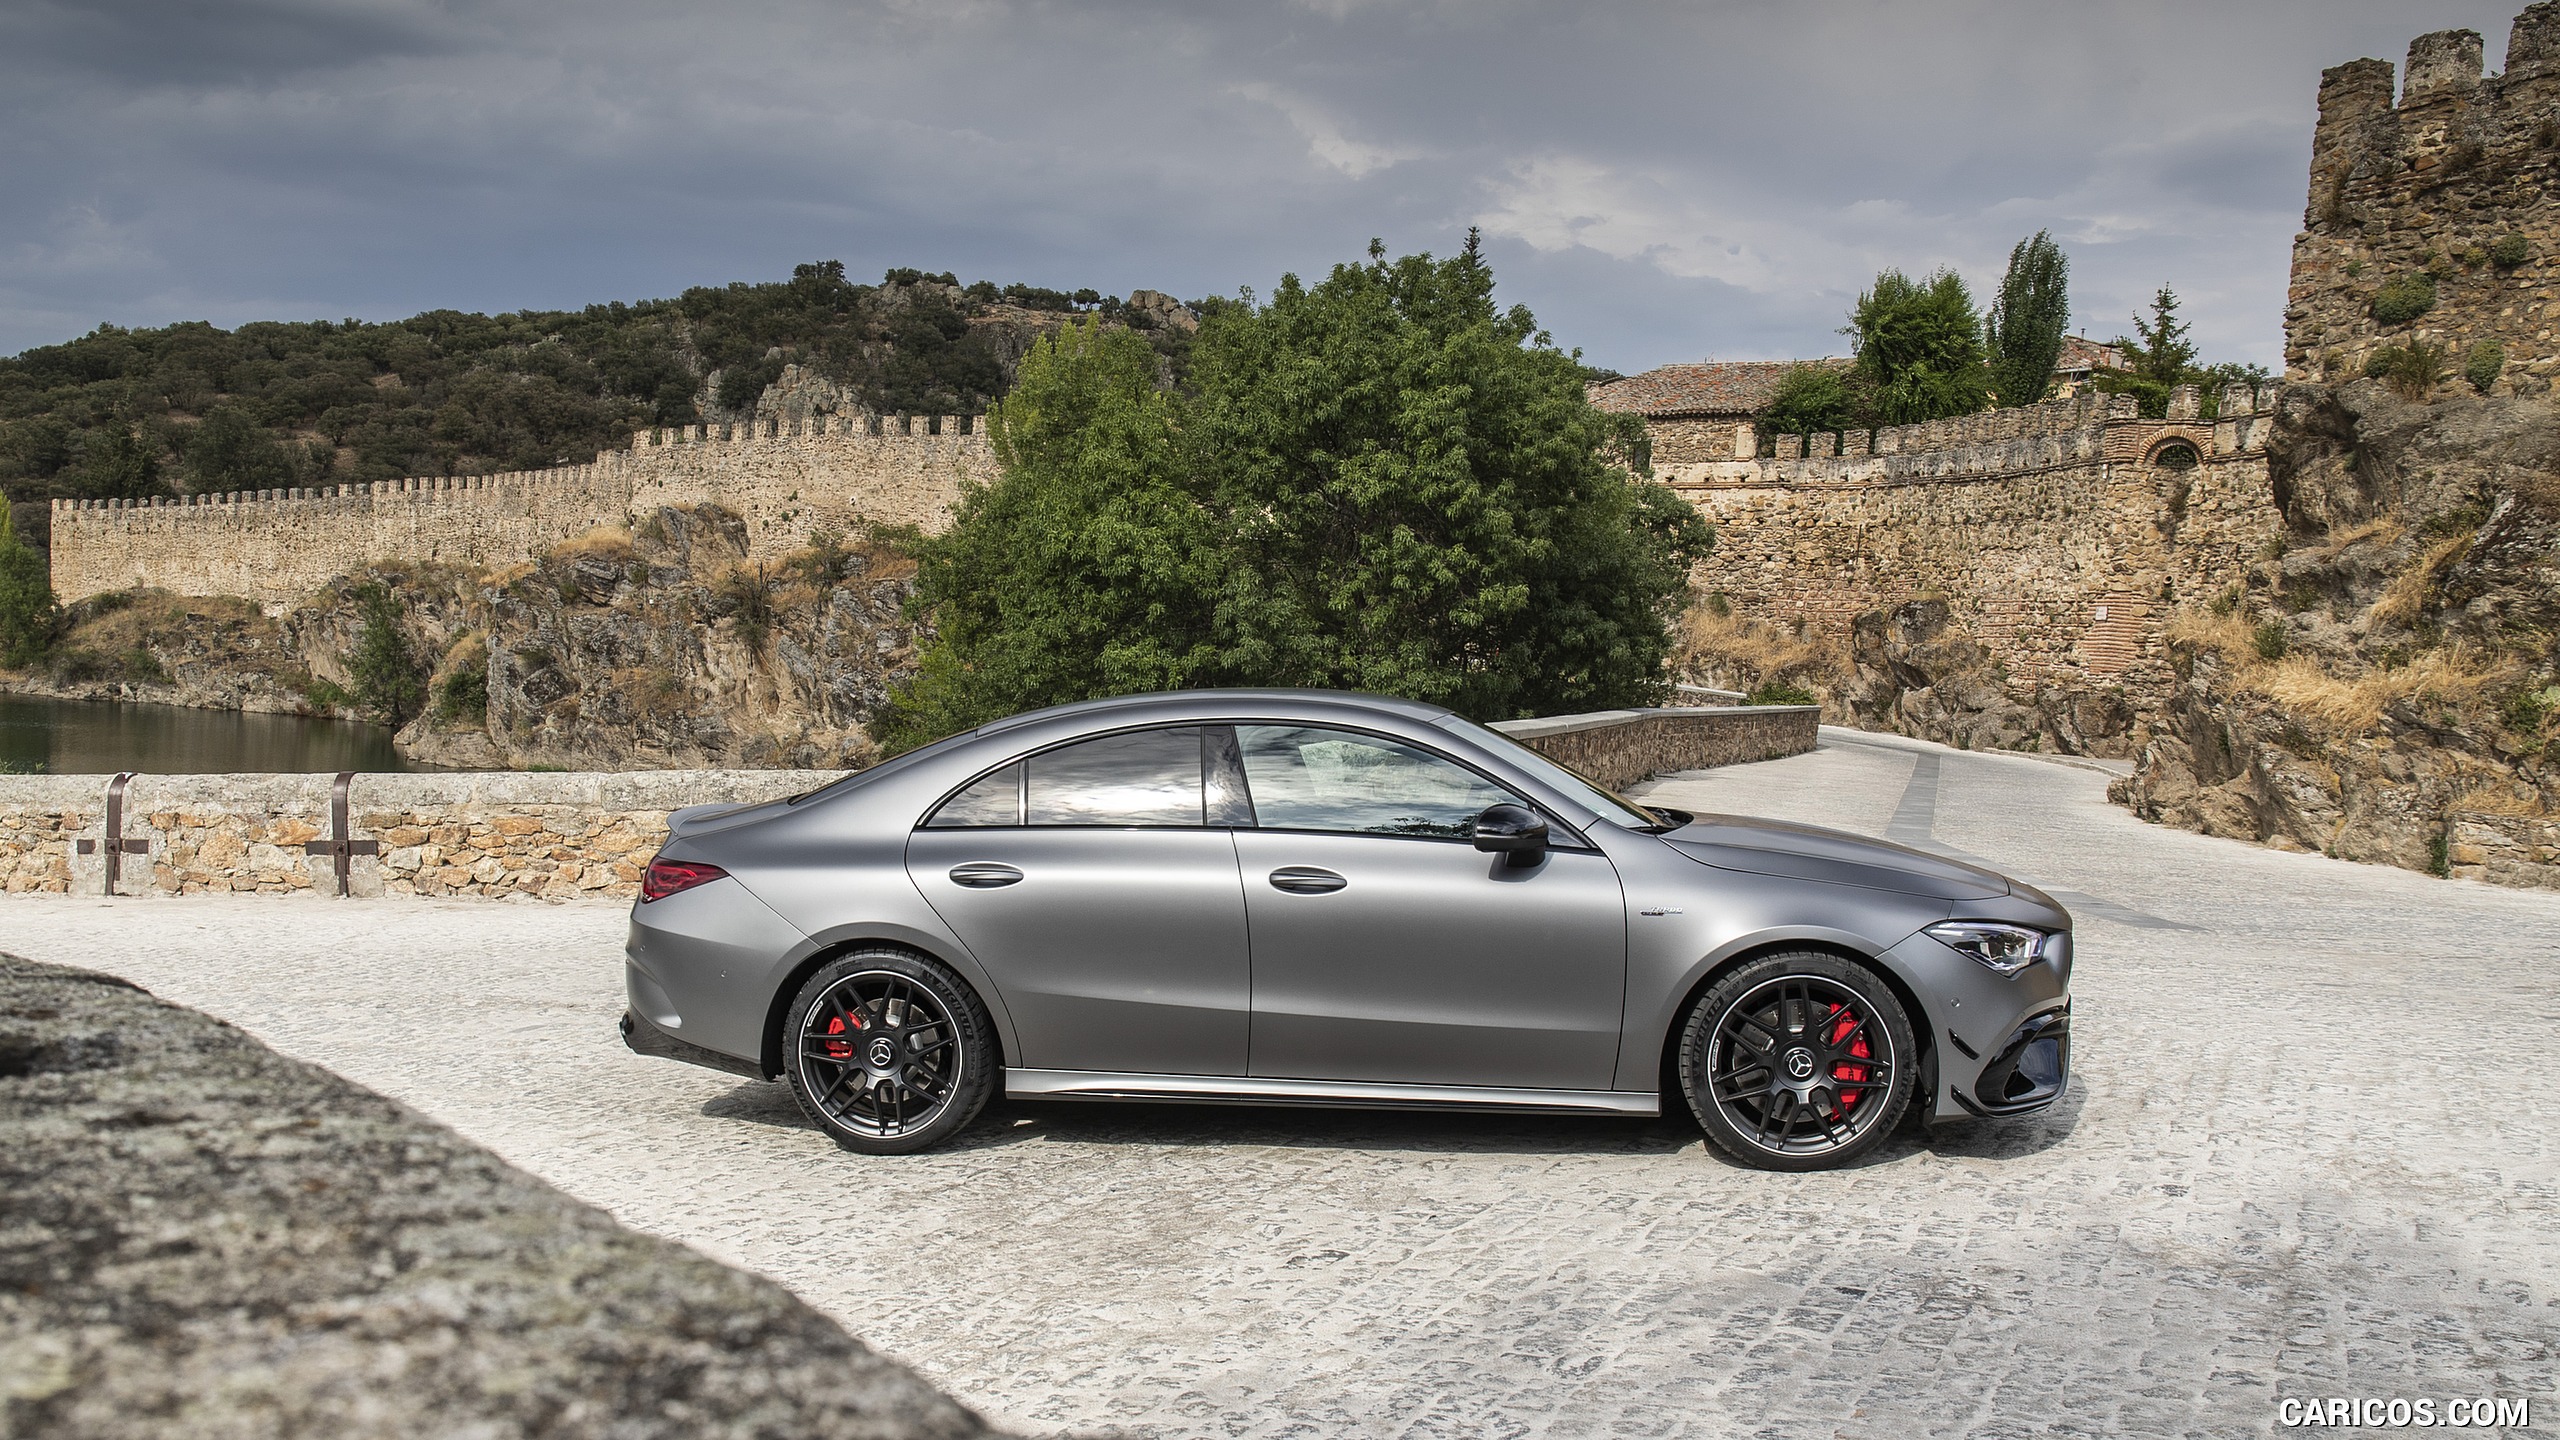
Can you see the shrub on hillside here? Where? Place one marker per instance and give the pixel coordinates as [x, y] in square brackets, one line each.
[2400, 301]
[30, 616]
[2487, 361]
[385, 673]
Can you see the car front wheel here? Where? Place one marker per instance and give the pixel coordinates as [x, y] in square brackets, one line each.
[888, 1052]
[1798, 1061]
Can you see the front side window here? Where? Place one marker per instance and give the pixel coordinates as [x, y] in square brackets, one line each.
[1308, 778]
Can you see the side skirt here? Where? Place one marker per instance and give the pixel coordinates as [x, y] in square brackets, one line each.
[1240, 1090]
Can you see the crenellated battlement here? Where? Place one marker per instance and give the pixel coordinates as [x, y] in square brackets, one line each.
[787, 480]
[2431, 218]
[2088, 429]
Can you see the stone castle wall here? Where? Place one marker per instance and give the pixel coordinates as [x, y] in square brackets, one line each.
[2056, 531]
[280, 545]
[2423, 191]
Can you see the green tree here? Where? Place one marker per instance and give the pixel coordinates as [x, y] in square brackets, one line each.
[2028, 320]
[30, 617]
[2161, 354]
[1075, 574]
[230, 451]
[387, 677]
[1811, 399]
[118, 463]
[1919, 344]
[1380, 482]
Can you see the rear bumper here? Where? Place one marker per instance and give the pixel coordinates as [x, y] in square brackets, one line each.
[645, 1038]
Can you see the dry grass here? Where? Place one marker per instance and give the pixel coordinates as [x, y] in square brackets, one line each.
[2448, 676]
[2453, 675]
[2405, 598]
[1730, 652]
[613, 542]
[2382, 532]
[2494, 799]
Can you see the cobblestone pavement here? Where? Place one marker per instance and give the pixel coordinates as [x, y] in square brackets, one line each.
[2308, 1153]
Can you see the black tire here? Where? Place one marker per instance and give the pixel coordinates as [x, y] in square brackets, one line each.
[1768, 1056]
[888, 1052]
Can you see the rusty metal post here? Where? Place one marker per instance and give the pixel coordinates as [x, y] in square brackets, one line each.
[111, 842]
[342, 847]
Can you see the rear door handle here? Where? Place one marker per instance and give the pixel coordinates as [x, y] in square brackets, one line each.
[1306, 880]
[984, 875]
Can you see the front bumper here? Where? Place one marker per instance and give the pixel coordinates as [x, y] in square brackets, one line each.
[2001, 1044]
[2029, 1072]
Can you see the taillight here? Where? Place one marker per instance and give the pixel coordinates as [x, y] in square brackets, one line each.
[666, 877]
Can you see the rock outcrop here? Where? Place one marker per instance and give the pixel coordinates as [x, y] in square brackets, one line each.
[2384, 688]
[205, 1238]
[667, 647]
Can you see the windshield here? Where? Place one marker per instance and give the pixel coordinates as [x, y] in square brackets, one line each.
[1581, 789]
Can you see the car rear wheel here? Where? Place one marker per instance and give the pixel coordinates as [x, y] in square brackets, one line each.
[888, 1052]
[1798, 1061]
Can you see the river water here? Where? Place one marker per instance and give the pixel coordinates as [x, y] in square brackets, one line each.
[84, 737]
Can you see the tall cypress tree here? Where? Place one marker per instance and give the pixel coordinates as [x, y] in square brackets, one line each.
[29, 614]
[2028, 320]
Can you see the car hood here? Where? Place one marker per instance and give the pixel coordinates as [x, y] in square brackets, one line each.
[1809, 852]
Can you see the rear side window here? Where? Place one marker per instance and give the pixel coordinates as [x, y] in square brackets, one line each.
[994, 799]
[1144, 777]
[1306, 778]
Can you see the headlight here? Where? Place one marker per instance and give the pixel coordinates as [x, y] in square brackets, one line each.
[2004, 949]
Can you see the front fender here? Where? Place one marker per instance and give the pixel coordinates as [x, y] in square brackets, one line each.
[1688, 921]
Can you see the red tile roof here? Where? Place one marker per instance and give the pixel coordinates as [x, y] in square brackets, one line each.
[2080, 353]
[1719, 387]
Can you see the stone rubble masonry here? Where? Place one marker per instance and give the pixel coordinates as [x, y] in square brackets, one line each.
[2054, 530]
[559, 835]
[2428, 187]
[787, 478]
[1620, 748]
[498, 834]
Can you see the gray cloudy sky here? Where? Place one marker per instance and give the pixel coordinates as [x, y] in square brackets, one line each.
[1658, 182]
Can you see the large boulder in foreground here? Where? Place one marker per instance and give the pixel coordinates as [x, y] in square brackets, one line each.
[201, 1237]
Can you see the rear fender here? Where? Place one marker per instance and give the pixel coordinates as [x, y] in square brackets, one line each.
[940, 945]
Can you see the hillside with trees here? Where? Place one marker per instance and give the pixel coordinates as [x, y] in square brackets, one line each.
[189, 408]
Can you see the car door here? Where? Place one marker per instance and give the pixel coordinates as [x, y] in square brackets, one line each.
[1387, 948]
[1107, 911]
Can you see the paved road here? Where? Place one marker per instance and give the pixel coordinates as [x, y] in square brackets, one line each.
[2309, 1153]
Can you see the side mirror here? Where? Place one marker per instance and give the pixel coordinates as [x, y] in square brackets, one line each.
[1513, 830]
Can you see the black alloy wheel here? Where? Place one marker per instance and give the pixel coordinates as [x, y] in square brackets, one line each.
[1800, 1061]
[888, 1052]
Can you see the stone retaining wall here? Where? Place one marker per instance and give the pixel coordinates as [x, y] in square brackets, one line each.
[497, 834]
[1620, 747]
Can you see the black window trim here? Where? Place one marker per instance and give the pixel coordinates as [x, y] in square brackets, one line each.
[1562, 833]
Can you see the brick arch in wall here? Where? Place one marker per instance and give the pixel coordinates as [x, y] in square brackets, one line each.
[2175, 451]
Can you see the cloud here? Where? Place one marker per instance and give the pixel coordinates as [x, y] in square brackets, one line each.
[1660, 180]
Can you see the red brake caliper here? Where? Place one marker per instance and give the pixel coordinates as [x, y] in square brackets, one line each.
[1842, 1022]
[839, 1049]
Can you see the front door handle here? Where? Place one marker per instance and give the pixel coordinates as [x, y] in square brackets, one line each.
[984, 875]
[1306, 880]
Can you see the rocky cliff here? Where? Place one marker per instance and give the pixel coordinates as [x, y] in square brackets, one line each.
[660, 647]
[2383, 689]
[667, 647]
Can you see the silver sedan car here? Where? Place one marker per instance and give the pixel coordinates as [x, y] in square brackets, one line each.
[1290, 897]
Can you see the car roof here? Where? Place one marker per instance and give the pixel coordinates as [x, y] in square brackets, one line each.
[1184, 702]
